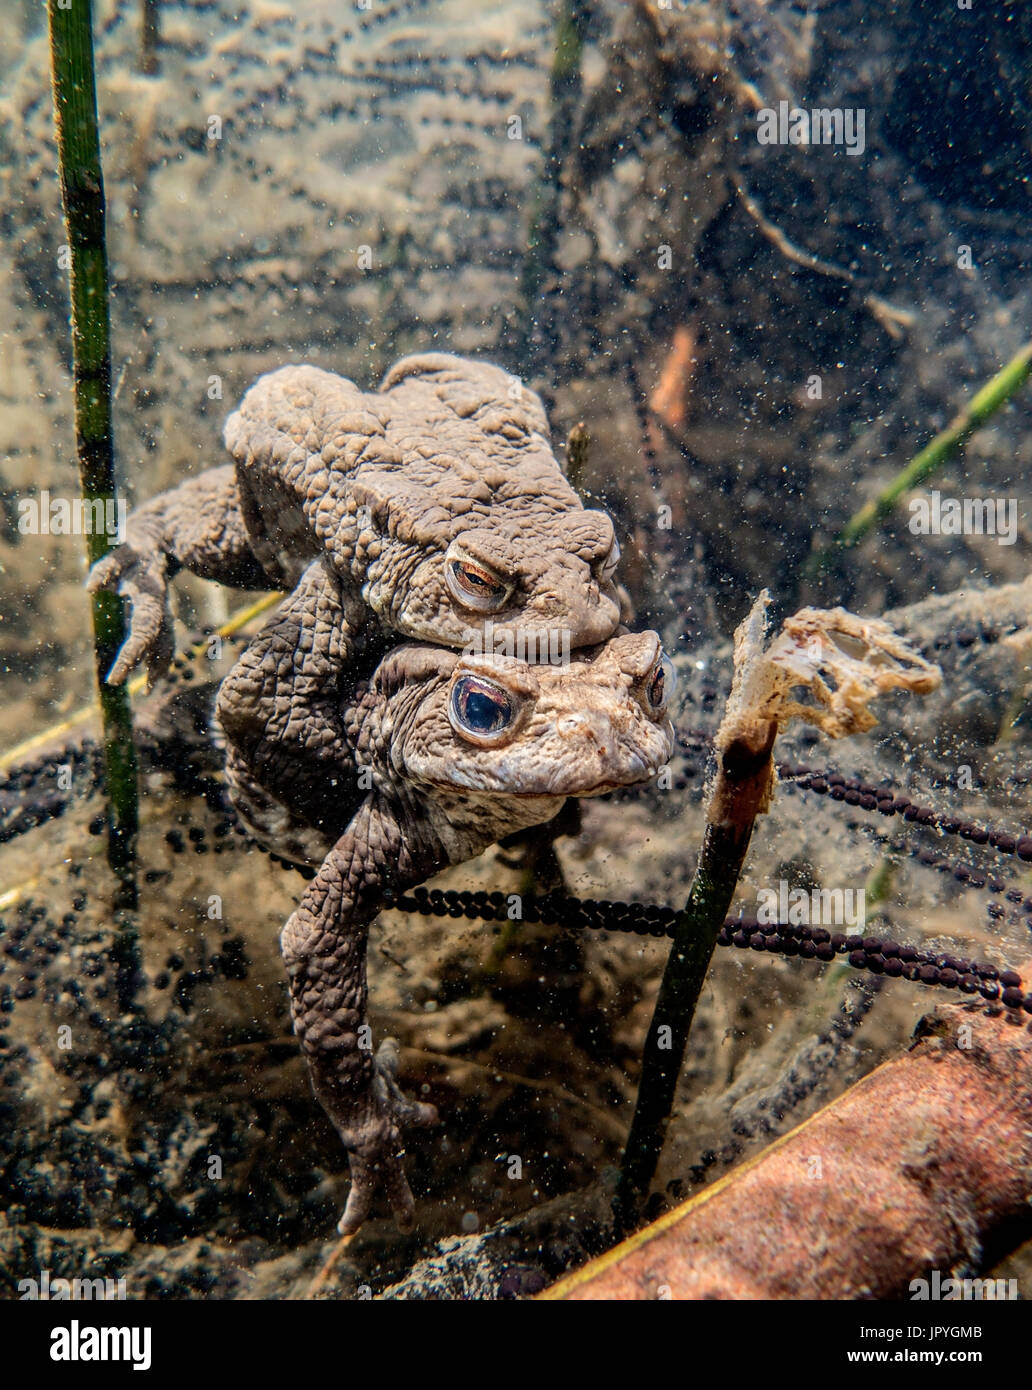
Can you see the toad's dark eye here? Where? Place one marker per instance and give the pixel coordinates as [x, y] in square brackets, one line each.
[660, 686]
[474, 586]
[480, 708]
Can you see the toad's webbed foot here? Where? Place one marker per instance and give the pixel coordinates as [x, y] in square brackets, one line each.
[198, 526]
[372, 1135]
[141, 576]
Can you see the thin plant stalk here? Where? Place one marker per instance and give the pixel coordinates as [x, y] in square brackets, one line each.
[543, 231]
[739, 794]
[150, 36]
[82, 193]
[983, 404]
[578, 448]
[809, 653]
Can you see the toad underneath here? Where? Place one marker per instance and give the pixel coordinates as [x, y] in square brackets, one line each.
[459, 751]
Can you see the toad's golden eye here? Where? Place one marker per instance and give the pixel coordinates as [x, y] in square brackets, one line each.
[475, 587]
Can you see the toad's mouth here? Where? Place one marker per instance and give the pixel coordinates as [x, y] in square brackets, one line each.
[527, 783]
[637, 767]
[609, 784]
[601, 787]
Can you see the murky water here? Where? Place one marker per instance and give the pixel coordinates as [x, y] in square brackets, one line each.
[764, 257]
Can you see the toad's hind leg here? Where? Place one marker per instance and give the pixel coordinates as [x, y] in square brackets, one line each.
[271, 821]
[281, 705]
[324, 947]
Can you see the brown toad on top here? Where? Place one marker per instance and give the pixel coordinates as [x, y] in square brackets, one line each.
[437, 499]
[457, 751]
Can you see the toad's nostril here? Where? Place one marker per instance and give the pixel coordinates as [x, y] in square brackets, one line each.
[587, 727]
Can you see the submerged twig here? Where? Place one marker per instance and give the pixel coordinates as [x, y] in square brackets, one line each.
[895, 321]
[329, 1265]
[82, 193]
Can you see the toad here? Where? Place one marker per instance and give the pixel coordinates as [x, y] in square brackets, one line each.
[437, 500]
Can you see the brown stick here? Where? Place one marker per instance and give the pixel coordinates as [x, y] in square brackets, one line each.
[914, 1169]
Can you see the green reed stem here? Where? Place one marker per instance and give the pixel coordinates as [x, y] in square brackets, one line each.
[543, 229]
[82, 194]
[578, 448]
[742, 784]
[150, 36]
[985, 403]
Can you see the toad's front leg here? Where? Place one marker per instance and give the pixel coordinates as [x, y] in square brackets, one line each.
[324, 946]
[198, 526]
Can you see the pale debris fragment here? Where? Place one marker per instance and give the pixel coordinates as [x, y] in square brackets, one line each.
[843, 661]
